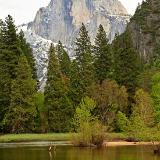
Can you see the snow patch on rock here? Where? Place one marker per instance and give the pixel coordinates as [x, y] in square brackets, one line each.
[40, 48]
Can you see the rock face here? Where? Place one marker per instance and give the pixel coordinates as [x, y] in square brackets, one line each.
[145, 29]
[61, 19]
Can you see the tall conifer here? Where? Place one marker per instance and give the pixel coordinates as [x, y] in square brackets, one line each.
[126, 60]
[56, 100]
[22, 110]
[64, 59]
[27, 50]
[84, 60]
[103, 56]
[9, 55]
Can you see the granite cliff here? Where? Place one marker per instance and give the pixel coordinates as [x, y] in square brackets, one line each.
[61, 20]
[145, 29]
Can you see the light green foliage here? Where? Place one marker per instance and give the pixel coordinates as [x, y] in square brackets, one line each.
[143, 116]
[35, 137]
[144, 108]
[41, 118]
[83, 112]
[83, 121]
[86, 125]
[137, 128]
[39, 101]
[122, 122]
[156, 94]
[22, 111]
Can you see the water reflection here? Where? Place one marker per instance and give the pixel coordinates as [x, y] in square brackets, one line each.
[52, 156]
[72, 153]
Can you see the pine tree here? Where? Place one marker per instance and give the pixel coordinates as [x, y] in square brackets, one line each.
[126, 62]
[103, 56]
[75, 89]
[12, 47]
[5, 84]
[84, 60]
[27, 50]
[9, 54]
[56, 100]
[64, 59]
[11, 42]
[22, 110]
[4, 78]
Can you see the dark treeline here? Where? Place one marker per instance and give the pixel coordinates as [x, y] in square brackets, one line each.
[18, 83]
[111, 75]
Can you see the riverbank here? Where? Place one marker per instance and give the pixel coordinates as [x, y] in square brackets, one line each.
[8, 138]
[112, 139]
[124, 143]
[68, 143]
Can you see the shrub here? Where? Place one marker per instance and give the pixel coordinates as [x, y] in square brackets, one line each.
[122, 122]
[89, 130]
[98, 133]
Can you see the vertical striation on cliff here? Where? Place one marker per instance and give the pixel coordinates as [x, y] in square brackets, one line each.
[61, 19]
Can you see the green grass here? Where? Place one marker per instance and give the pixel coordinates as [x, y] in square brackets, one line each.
[51, 137]
[115, 136]
[35, 137]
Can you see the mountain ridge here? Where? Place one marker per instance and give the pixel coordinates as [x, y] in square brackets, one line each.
[61, 20]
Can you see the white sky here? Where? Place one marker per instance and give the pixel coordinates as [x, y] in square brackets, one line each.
[24, 11]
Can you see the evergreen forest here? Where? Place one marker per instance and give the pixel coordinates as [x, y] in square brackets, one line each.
[110, 83]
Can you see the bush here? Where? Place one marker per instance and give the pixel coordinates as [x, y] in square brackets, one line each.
[122, 122]
[98, 134]
[84, 136]
[91, 134]
[89, 130]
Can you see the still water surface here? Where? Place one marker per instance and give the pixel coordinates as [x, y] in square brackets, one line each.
[71, 153]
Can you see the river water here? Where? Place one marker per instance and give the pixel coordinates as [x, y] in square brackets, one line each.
[75, 153]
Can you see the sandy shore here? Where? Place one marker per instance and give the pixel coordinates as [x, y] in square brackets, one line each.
[68, 143]
[124, 143]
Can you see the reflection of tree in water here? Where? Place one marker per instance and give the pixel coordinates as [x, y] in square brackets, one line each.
[52, 155]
